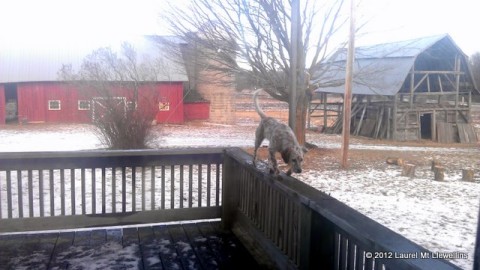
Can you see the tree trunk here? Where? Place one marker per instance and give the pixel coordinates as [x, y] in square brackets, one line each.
[301, 119]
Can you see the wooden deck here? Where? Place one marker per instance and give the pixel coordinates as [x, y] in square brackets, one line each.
[181, 246]
[284, 222]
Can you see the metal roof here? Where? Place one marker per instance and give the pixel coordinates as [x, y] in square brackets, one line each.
[30, 60]
[379, 69]
[371, 76]
[406, 48]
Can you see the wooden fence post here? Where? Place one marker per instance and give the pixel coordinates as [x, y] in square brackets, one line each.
[229, 198]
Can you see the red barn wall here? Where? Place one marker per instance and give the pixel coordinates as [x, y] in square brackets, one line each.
[197, 111]
[171, 96]
[2, 104]
[33, 102]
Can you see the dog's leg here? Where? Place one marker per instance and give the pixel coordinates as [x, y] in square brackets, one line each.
[273, 162]
[258, 141]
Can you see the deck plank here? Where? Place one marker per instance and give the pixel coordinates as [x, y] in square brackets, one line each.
[32, 251]
[64, 242]
[236, 256]
[200, 246]
[181, 246]
[149, 249]
[168, 253]
[184, 248]
[114, 235]
[131, 242]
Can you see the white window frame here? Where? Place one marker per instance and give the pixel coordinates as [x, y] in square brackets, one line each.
[84, 101]
[50, 102]
[164, 105]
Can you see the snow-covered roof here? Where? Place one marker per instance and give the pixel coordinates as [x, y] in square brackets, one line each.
[36, 60]
[382, 69]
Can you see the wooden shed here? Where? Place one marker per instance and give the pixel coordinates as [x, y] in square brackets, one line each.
[31, 91]
[409, 90]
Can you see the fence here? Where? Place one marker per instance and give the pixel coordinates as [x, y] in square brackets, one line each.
[60, 190]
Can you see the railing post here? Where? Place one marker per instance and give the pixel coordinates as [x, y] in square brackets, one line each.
[476, 253]
[229, 197]
[305, 236]
[322, 246]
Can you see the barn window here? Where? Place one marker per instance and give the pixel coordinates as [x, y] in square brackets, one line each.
[54, 105]
[84, 105]
[164, 104]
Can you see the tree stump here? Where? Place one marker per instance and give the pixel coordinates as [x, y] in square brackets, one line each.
[439, 173]
[435, 163]
[408, 170]
[467, 175]
[395, 161]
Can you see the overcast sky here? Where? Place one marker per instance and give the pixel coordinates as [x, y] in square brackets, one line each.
[390, 20]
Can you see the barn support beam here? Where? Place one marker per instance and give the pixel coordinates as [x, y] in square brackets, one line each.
[394, 118]
[325, 96]
[457, 84]
[412, 84]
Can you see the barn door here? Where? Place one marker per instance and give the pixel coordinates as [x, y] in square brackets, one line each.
[426, 126]
[105, 108]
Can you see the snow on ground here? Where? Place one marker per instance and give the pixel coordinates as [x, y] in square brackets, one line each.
[441, 216]
[47, 138]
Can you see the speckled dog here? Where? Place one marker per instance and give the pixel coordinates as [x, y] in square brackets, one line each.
[281, 139]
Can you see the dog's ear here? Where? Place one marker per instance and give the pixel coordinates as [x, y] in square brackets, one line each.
[286, 155]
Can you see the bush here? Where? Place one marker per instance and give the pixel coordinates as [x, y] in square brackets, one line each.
[121, 127]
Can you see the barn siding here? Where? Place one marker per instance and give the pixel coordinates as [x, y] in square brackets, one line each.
[2, 104]
[172, 94]
[33, 101]
[197, 111]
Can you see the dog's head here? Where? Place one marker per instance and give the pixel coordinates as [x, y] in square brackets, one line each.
[293, 156]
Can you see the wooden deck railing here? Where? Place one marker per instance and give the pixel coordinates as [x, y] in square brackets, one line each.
[59, 190]
[301, 227]
[284, 221]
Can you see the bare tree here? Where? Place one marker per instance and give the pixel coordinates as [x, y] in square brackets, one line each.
[253, 38]
[112, 82]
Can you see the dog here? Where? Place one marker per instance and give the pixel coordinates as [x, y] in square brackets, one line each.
[281, 139]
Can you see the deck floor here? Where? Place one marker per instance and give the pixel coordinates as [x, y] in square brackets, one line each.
[180, 246]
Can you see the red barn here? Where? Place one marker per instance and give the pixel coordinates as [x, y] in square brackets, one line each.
[31, 91]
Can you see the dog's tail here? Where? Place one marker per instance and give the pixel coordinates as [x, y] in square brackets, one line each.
[257, 107]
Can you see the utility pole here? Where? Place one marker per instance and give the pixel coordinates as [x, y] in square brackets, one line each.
[347, 100]
[292, 107]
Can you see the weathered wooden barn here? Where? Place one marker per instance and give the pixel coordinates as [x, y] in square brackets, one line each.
[409, 90]
[31, 90]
